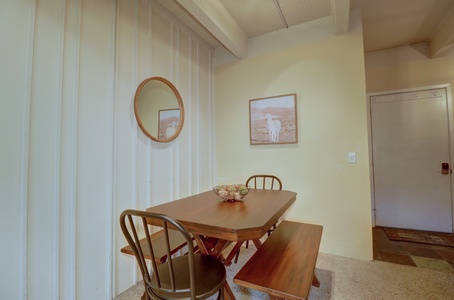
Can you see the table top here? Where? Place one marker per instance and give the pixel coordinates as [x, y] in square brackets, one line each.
[206, 213]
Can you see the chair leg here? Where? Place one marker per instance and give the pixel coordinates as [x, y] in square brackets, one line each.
[271, 230]
[221, 293]
[236, 256]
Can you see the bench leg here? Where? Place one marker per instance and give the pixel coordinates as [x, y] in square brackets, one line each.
[315, 281]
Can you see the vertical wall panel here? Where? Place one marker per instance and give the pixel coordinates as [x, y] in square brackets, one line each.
[144, 69]
[70, 94]
[204, 96]
[162, 44]
[73, 156]
[15, 84]
[195, 115]
[182, 170]
[95, 149]
[125, 134]
[161, 155]
[44, 156]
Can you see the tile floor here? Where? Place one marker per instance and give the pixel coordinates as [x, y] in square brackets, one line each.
[413, 254]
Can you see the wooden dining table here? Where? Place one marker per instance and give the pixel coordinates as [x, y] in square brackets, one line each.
[215, 223]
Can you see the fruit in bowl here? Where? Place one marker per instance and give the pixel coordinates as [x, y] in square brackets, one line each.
[231, 192]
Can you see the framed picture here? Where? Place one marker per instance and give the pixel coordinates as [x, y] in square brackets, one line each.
[168, 122]
[273, 120]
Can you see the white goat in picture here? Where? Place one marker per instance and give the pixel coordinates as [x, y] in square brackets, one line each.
[171, 130]
[273, 127]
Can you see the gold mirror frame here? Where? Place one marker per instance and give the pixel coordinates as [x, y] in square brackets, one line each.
[154, 97]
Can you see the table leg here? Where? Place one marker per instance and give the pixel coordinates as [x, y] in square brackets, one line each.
[215, 251]
[218, 248]
[235, 249]
[203, 244]
[257, 243]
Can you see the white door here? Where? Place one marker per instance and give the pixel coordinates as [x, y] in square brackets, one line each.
[410, 141]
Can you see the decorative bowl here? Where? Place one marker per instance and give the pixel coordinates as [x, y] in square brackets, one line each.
[231, 192]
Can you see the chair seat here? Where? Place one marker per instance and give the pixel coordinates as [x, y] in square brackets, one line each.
[210, 276]
[177, 242]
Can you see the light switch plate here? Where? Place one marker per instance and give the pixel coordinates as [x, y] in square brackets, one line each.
[352, 157]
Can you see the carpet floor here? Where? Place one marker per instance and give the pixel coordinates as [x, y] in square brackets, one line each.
[345, 278]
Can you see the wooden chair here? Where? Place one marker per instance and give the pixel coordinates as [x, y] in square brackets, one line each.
[191, 276]
[177, 242]
[264, 182]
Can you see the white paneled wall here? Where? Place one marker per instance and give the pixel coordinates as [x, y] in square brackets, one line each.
[72, 155]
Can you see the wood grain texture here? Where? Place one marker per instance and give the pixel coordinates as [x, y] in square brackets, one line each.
[206, 214]
[206, 217]
[284, 265]
[177, 242]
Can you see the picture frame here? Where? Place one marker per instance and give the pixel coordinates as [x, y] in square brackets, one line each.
[168, 122]
[273, 120]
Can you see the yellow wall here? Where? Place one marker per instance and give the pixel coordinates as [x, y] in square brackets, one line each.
[328, 78]
[413, 74]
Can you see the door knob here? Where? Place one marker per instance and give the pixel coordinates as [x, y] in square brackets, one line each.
[445, 170]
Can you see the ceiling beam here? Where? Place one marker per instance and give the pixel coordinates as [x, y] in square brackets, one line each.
[213, 16]
[443, 41]
[340, 10]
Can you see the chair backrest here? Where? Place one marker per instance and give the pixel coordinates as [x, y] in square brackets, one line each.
[269, 182]
[135, 228]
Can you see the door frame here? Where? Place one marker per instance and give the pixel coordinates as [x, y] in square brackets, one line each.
[447, 87]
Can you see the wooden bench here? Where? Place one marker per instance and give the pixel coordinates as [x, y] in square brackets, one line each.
[283, 267]
[177, 242]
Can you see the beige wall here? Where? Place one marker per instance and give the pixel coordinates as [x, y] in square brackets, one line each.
[328, 78]
[400, 74]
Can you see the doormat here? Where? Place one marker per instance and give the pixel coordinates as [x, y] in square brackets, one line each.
[417, 236]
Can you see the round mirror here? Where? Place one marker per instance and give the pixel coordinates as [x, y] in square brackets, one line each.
[159, 109]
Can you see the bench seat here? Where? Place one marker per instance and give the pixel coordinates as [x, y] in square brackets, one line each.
[177, 242]
[283, 267]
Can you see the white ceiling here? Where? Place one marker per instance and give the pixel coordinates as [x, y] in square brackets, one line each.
[386, 23]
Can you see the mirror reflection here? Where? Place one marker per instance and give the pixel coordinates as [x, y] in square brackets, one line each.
[159, 109]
